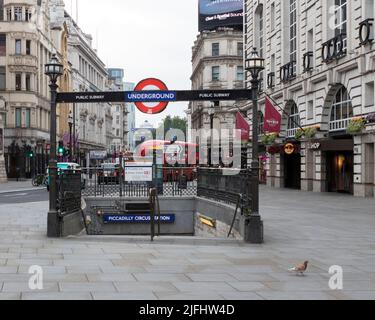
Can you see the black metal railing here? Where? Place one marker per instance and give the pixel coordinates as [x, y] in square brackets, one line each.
[366, 30]
[288, 71]
[334, 48]
[225, 185]
[308, 61]
[70, 184]
[172, 182]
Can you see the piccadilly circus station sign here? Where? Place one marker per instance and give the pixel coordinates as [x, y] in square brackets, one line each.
[155, 96]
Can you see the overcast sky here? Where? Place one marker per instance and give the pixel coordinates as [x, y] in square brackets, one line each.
[147, 38]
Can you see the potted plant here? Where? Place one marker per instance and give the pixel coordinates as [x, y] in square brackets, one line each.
[356, 125]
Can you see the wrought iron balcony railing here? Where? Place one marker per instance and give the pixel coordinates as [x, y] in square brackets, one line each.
[288, 71]
[308, 61]
[366, 30]
[334, 48]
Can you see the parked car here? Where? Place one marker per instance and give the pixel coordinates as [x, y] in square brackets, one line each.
[63, 167]
[109, 173]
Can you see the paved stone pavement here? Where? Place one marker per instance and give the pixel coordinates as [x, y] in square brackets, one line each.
[326, 229]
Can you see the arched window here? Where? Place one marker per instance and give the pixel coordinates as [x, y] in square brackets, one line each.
[293, 121]
[342, 111]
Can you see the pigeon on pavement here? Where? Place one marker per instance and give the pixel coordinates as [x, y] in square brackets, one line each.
[300, 269]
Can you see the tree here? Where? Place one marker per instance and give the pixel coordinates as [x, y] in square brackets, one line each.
[174, 123]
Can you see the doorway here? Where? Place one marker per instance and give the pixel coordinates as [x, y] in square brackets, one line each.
[292, 171]
[340, 170]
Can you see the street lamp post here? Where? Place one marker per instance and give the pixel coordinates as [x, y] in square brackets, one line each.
[53, 69]
[211, 113]
[254, 224]
[70, 122]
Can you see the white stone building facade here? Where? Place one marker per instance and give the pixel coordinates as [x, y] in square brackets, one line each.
[320, 69]
[25, 46]
[89, 74]
[217, 61]
[119, 113]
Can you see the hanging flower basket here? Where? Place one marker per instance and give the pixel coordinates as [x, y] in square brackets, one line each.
[355, 126]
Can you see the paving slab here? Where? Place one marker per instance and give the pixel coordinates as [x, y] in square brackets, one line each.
[299, 226]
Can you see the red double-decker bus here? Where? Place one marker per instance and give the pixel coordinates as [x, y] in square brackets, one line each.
[180, 158]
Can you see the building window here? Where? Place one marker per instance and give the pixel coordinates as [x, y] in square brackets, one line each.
[18, 117]
[18, 46]
[2, 79]
[28, 47]
[28, 14]
[28, 82]
[273, 17]
[3, 45]
[240, 73]
[240, 49]
[310, 110]
[341, 19]
[342, 111]
[117, 119]
[215, 49]
[18, 82]
[293, 34]
[216, 73]
[18, 13]
[293, 121]
[117, 132]
[9, 14]
[27, 118]
[369, 94]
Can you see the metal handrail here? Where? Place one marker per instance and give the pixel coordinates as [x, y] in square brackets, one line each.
[154, 204]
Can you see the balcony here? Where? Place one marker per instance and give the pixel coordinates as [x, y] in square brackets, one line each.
[366, 32]
[291, 133]
[288, 71]
[308, 61]
[339, 125]
[334, 48]
[23, 60]
[271, 80]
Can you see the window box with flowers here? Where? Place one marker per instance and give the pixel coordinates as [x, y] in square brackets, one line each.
[356, 126]
[307, 133]
[269, 139]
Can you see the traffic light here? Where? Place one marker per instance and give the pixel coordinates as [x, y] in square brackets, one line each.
[61, 149]
[30, 154]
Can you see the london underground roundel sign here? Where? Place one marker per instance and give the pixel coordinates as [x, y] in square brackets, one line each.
[155, 97]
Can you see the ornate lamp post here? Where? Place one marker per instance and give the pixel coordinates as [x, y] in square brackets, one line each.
[70, 122]
[211, 113]
[54, 69]
[254, 224]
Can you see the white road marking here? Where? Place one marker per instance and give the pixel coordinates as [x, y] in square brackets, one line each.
[16, 195]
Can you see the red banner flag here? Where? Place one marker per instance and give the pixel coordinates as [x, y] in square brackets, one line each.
[272, 119]
[243, 125]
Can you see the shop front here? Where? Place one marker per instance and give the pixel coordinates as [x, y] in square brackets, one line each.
[339, 165]
[291, 156]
